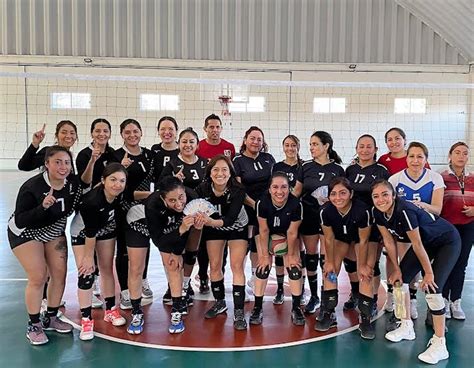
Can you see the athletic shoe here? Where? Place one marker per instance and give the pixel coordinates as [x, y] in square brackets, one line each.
[256, 318]
[87, 329]
[55, 324]
[389, 303]
[351, 303]
[279, 298]
[113, 316]
[325, 321]
[457, 311]
[136, 326]
[167, 297]
[147, 293]
[35, 334]
[204, 286]
[447, 309]
[96, 302]
[413, 309]
[218, 308]
[312, 305]
[96, 286]
[405, 331]
[125, 302]
[436, 351]
[392, 322]
[297, 317]
[239, 320]
[367, 330]
[177, 324]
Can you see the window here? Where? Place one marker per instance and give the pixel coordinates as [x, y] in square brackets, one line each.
[153, 102]
[409, 106]
[325, 105]
[253, 104]
[68, 100]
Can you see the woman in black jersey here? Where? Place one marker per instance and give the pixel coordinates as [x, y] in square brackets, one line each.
[312, 183]
[290, 166]
[168, 147]
[279, 216]
[228, 225]
[253, 167]
[66, 136]
[93, 229]
[139, 164]
[170, 231]
[190, 169]
[361, 174]
[346, 224]
[436, 245]
[36, 235]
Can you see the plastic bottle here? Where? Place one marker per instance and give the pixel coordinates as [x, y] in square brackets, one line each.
[399, 292]
[332, 277]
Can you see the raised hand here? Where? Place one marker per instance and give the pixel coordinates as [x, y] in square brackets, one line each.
[180, 174]
[38, 136]
[126, 162]
[95, 152]
[49, 200]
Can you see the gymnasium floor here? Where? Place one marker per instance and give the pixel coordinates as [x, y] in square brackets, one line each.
[203, 340]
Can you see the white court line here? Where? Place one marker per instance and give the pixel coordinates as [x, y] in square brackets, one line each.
[13, 279]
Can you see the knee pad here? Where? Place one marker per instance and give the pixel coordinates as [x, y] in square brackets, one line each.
[322, 259]
[85, 282]
[302, 258]
[189, 257]
[435, 303]
[330, 299]
[350, 265]
[279, 261]
[377, 269]
[312, 262]
[262, 274]
[294, 273]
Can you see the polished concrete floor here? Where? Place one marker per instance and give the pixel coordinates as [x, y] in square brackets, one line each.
[346, 349]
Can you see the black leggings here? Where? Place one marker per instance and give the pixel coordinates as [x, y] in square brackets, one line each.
[444, 258]
[453, 287]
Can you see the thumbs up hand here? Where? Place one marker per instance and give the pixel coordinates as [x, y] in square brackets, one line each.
[49, 200]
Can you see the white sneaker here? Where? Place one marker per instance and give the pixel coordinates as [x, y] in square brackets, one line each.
[113, 316]
[96, 302]
[413, 309]
[447, 309]
[388, 306]
[96, 286]
[436, 351]
[404, 331]
[125, 302]
[457, 311]
[146, 291]
[87, 329]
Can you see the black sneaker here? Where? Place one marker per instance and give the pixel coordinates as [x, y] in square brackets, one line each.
[256, 318]
[297, 317]
[239, 320]
[218, 308]
[325, 321]
[312, 305]
[183, 307]
[167, 297]
[204, 286]
[279, 298]
[392, 323]
[351, 303]
[367, 330]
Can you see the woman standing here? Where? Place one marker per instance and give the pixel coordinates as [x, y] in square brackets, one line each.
[167, 149]
[36, 235]
[93, 231]
[458, 209]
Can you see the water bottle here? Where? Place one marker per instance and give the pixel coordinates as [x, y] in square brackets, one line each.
[332, 277]
[399, 292]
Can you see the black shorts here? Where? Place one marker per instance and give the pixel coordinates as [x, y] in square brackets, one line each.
[252, 215]
[311, 224]
[80, 240]
[375, 235]
[134, 239]
[214, 234]
[16, 240]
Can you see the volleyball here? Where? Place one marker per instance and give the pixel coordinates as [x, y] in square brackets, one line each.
[278, 245]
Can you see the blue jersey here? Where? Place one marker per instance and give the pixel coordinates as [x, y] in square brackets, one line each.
[421, 189]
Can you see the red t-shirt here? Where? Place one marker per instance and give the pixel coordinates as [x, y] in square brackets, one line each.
[394, 164]
[208, 151]
[454, 199]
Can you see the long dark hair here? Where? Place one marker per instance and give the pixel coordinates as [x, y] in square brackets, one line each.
[250, 130]
[295, 139]
[232, 180]
[63, 123]
[127, 122]
[356, 158]
[113, 168]
[326, 138]
[170, 118]
[51, 151]
[169, 184]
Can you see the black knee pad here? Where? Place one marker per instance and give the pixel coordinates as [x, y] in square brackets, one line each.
[312, 262]
[365, 305]
[294, 273]
[262, 274]
[189, 257]
[279, 261]
[377, 269]
[303, 258]
[322, 259]
[85, 282]
[329, 299]
[350, 265]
